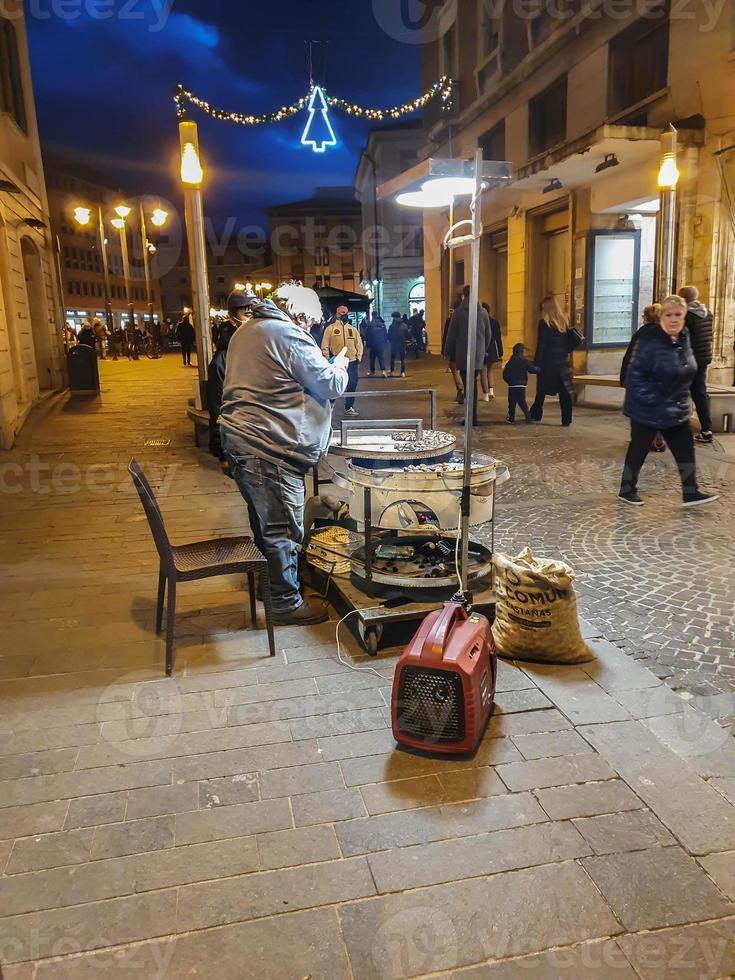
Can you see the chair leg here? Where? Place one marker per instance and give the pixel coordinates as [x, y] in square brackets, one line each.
[253, 607]
[170, 626]
[266, 586]
[161, 597]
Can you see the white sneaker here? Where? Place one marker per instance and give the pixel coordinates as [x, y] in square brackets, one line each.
[351, 412]
[485, 397]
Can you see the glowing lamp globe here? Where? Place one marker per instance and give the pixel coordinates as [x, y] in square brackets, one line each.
[82, 215]
[191, 168]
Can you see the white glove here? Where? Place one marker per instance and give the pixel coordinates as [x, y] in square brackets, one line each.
[341, 361]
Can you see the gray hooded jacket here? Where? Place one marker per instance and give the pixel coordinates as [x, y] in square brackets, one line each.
[277, 391]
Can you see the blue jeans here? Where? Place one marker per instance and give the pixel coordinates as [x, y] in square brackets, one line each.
[275, 500]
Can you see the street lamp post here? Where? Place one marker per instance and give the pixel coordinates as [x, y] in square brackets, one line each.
[668, 177]
[122, 211]
[192, 176]
[82, 216]
[158, 218]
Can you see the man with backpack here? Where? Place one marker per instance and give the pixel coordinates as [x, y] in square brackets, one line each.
[699, 324]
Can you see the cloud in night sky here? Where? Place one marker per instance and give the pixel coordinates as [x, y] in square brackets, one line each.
[104, 92]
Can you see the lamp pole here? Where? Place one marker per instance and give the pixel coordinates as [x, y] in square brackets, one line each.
[122, 211]
[191, 179]
[668, 177]
[105, 269]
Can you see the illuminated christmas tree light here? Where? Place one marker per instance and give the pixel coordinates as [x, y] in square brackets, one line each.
[318, 117]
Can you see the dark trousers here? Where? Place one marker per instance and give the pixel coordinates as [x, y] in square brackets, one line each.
[517, 398]
[680, 441]
[275, 501]
[463, 375]
[565, 404]
[376, 355]
[701, 399]
[186, 354]
[353, 376]
[396, 353]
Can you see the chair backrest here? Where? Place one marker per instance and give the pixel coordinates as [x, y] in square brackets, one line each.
[152, 512]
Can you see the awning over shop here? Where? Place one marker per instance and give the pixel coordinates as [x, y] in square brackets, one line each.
[332, 297]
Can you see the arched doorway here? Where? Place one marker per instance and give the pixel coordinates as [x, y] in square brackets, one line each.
[417, 295]
[37, 312]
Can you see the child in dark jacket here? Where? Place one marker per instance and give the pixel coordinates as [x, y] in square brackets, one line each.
[515, 375]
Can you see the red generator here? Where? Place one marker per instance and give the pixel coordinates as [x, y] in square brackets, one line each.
[444, 683]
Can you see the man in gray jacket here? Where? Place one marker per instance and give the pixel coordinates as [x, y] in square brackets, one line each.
[276, 422]
[457, 341]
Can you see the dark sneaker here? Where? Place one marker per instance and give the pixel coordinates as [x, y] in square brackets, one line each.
[460, 398]
[304, 615]
[705, 437]
[700, 498]
[631, 498]
[509, 420]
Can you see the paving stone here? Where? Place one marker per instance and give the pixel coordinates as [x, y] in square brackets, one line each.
[195, 862]
[85, 927]
[471, 857]
[527, 723]
[697, 952]
[270, 892]
[288, 848]
[559, 771]
[349, 681]
[232, 821]
[41, 818]
[241, 788]
[92, 811]
[511, 678]
[403, 794]
[571, 691]
[632, 831]
[6, 846]
[70, 785]
[588, 961]
[327, 807]
[300, 779]
[721, 869]
[726, 787]
[340, 747]
[448, 926]
[37, 763]
[402, 765]
[303, 707]
[437, 823]
[693, 811]
[656, 888]
[168, 723]
[528, 699]
[707, 747]
[51, 851]
[66, 886]
[614, 671]
[471, 784]
[297, 945]
[160, 800]
[651, 702]
[259, 693]
[243, 761]
[588, 799]
[343, 723]
[550, 745]
[133, 837]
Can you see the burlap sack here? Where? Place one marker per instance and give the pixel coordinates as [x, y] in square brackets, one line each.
[536, 614]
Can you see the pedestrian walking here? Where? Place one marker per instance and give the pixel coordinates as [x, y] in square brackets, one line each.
[417, 324]
[338, 334]
[699, 325]
[554, 345]
[397, 337]
[100, 336]
[117, 342]
[451, 366]
[494, 355]
[186, 337]
[130, 343]
[457, 342]
[651, 319]
[515, 375]
[657, 389]
[86, 335]
[376, 340]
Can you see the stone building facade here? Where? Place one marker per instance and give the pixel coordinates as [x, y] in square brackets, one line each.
[576, 95]
[31, 324]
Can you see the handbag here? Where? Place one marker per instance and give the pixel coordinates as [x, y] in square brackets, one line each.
[575, 339]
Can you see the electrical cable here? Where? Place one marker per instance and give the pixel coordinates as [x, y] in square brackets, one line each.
[360, 670]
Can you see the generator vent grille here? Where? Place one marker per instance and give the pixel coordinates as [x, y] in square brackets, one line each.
[430, 705]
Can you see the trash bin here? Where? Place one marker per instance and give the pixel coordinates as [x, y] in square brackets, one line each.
[84, 376]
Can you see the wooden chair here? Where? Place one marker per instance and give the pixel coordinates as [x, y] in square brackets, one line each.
[202, 559]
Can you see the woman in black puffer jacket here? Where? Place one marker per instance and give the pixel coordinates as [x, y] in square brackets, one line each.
[657, 388]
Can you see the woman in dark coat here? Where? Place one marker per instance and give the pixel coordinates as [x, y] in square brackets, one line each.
[657, 386]
[186, 337]
[553, 350]
[493, 355]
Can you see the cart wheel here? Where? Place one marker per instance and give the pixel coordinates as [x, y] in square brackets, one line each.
[372, 639]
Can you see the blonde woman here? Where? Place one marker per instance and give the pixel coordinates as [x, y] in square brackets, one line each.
[657, 387]
[553, 349]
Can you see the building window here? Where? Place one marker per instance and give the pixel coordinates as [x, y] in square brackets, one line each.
[11, 86]
[489, 30]
[547, 117]
[492, 143]
[638, 65]
[448, 58]
[459, 273]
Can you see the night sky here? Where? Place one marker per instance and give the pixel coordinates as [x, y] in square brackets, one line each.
[104, 90]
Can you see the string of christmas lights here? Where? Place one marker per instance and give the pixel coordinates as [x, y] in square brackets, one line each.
[440, 89]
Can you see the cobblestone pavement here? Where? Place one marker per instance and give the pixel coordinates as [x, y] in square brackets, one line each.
[251, 817]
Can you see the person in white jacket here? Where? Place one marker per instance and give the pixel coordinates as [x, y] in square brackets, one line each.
[338, 334]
